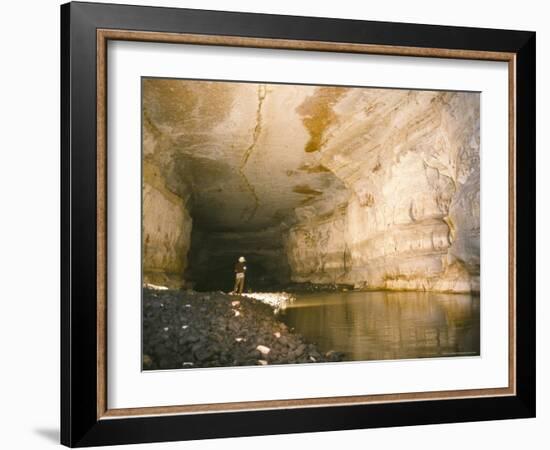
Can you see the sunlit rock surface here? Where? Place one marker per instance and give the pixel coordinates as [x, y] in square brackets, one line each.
[373, 187]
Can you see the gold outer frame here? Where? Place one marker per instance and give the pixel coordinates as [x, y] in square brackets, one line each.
[103, 36]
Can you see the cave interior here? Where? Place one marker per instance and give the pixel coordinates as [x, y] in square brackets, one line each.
[369, 187]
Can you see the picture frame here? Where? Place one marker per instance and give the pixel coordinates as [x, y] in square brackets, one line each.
[86, 418]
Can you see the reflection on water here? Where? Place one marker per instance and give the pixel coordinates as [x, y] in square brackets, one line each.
[388, 325]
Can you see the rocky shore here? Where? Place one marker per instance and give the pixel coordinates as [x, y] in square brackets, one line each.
[312, 287]
[188, 329]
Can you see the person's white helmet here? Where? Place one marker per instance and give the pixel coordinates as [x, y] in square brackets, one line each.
[241, 259]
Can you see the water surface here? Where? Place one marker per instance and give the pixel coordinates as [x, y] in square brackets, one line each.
[388, 325]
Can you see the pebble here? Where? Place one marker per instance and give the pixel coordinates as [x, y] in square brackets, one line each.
[263, 349]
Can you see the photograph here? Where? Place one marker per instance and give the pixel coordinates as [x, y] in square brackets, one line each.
[301, 224]
[285, 222]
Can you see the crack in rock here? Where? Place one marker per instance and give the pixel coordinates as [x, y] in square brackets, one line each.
[262, 93]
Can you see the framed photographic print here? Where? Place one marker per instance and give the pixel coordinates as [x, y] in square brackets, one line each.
[276, 224]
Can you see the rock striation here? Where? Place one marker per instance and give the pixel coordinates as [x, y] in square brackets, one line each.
[411, 165]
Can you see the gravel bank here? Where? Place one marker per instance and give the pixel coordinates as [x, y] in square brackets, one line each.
[187, 329]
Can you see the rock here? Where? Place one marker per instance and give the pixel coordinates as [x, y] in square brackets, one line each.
[213, 336]
[334, 356]
[315, 354]
[147, 361]
[192, 338]
[300, 350]
[166, 231]
[283, 340]
[263, 349]
[166, 364]
[412, 220]
[203, 354]
[234, 326]
[262, 362]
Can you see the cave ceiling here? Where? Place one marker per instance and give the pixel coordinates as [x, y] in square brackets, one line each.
[249, 156]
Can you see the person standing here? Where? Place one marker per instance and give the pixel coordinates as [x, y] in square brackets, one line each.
[240, 270]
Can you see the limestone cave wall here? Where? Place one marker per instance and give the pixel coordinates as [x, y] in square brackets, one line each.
[166, 223]
[412, 220]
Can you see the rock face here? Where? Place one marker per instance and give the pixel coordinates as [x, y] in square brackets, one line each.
[373, 187]
[412, 220]
[166, 231]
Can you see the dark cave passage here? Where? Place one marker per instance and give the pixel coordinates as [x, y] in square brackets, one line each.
[212, 257]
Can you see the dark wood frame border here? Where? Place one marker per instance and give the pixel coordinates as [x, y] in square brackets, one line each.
[85, 418]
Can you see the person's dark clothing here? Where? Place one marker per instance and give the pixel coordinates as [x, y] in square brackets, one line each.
[240, 267]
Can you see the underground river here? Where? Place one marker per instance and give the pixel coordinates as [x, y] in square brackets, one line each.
[387, 325]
